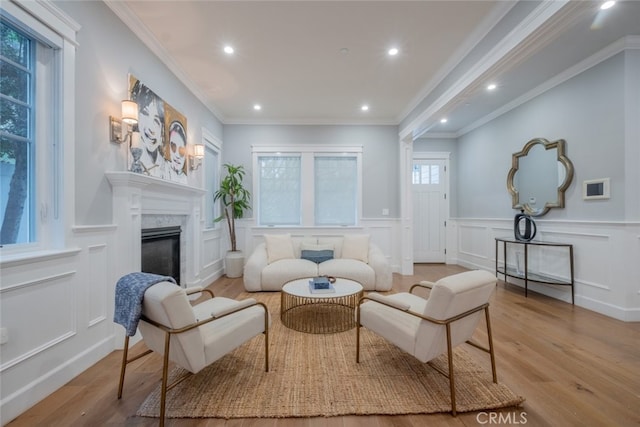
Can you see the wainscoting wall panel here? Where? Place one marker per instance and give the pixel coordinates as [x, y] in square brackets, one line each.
[57, 307]
[53, 317]
[472, 243]
[606, 258]
[97, 295]
[212, 259]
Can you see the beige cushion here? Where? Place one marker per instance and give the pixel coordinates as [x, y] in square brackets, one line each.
[349, 269]
[279, 246]
[450, 296]
[356, 246]
[275, 275]
[167, 304]
[396, 326]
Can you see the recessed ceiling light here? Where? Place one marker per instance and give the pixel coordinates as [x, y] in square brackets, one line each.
[228, 50]
[365, 108]
[492, 86]
[608, 4]
[257, 107]
[393, 51]
[444, 120]
[344, 50]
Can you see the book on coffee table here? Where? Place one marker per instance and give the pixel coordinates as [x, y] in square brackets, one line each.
[321, 285]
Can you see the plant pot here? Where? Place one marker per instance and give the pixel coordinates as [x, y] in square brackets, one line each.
[234, 264]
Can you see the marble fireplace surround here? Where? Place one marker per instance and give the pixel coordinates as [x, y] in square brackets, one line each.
[141, 201]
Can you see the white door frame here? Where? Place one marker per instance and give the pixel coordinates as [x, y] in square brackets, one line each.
[436, 155]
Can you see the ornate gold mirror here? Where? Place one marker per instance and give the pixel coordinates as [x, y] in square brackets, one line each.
[539, 176]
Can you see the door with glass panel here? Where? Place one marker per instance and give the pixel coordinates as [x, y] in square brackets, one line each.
[429, 210]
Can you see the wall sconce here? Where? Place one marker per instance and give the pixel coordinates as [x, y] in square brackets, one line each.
[129, 119]
[196, 158]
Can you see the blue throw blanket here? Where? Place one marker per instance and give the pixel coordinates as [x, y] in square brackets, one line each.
[129, 294]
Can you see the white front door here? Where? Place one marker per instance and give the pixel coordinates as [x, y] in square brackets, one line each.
[429, 210]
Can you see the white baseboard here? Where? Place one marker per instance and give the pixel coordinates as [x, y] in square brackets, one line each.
[32, 393]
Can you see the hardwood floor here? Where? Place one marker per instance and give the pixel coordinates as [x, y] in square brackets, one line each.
[574, 367]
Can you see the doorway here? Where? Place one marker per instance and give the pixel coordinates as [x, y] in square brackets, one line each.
[430, 208]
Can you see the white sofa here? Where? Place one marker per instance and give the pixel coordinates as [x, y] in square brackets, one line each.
[280, 259]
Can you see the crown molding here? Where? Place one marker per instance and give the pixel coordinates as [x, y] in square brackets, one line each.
[140, 30]
[312, 122]
[465, 49]
[529, 35]
[620, 45]
[48, 14]
[438, 135]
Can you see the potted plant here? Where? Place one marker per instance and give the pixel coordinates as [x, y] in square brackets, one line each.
[235, 200]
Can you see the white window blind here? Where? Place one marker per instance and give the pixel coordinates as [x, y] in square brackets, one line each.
[279, 190]
[336, 190]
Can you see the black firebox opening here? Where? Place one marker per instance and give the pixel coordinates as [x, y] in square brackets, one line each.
[161, 251]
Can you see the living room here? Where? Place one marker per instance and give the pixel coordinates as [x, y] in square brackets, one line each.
[57, 298]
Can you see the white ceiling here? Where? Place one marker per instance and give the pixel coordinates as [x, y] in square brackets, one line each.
[288, 55]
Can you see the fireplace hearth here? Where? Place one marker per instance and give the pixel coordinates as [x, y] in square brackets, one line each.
[160, 249]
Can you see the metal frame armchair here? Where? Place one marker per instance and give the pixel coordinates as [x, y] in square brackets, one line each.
[194, 336]
[426, 328]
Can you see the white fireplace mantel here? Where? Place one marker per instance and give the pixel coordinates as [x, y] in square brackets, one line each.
[135, 195]
[150, 183]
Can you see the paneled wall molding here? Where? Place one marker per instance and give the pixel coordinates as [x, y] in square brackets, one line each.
[26, 258]
[99, 228]
[37, 282]
[69, 293]
[605, 255]
[9, 364]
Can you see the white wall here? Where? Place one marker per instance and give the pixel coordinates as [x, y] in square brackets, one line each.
[58, 306]
[588, 111]
[592, 113]
[379, 169]
[108, 51]
[379, 155]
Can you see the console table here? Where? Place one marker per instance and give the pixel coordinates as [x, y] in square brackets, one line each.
[504, 269]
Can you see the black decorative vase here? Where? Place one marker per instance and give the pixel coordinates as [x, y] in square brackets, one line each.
[529, 227]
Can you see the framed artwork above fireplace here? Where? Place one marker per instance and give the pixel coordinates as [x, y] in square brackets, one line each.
[163, 135]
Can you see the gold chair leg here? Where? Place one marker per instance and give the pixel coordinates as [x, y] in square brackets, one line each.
[452, 382]
[165, 375]
[358, 334]
[266, 338]
[124, 365]
[491, 350]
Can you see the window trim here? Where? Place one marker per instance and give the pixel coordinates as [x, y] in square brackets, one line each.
[307, 155]
[211, 142]
[50, 26]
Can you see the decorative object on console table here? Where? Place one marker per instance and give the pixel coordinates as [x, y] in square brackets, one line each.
[235, 200]
[529, 231]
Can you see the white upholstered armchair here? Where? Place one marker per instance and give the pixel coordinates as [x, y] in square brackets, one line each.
[194, 336]
[427, 328]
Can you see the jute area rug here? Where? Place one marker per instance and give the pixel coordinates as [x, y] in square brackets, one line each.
[317, 375]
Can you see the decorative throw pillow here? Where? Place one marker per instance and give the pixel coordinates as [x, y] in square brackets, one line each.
[356, 246]
[316, 253]
[279, 246]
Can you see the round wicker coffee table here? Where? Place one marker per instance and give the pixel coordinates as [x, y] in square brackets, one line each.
[324, 313]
